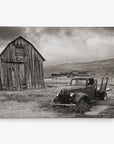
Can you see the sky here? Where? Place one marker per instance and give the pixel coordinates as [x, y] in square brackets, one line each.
[65, 44]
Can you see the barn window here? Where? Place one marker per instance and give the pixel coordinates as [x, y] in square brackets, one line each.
[19, 51]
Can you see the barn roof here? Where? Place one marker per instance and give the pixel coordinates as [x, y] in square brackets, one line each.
[27, 42]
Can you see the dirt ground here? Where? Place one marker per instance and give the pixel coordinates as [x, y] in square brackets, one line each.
[37, 103]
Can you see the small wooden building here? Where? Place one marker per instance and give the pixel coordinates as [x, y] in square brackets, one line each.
[21, 66]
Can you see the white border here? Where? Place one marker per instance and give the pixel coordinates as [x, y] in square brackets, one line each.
[56, 13]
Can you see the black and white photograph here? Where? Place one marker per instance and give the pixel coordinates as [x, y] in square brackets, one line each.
[56, 72]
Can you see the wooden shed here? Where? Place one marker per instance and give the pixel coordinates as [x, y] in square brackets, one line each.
[21, 66]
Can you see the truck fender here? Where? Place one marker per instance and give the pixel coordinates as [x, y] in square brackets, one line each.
[78, 96]
[56, 99]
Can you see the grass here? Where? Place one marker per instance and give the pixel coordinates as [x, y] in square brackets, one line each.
[37, 103]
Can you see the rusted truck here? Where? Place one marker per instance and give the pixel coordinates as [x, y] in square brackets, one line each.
[81, 93]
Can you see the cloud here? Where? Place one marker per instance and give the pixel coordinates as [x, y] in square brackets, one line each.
[8, 33]
[51, 30]
[65, 44]
[82, 44]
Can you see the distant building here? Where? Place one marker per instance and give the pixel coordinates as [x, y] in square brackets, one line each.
[21, 66]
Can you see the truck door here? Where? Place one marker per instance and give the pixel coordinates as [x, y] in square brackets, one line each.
[90, 88]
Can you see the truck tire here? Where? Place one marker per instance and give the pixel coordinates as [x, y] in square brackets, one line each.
[83, 105]
[56, 100]
[101, 95]
[105, 96]
[82, 102]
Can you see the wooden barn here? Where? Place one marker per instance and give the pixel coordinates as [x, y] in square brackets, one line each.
[21, 66]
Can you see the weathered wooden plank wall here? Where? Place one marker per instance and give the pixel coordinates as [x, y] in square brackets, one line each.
[19, 75]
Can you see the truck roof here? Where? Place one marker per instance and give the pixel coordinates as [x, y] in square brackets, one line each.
[82, 78]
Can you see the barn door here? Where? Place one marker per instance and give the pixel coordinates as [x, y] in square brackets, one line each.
[18, 76]
[22, 80]
[13, 79]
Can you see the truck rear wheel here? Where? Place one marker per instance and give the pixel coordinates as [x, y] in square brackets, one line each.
[101, 95]
[105, 96]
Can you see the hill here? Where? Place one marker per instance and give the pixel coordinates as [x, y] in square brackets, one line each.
[101, 66]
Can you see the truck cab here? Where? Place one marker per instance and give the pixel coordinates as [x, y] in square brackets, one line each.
[85, 85]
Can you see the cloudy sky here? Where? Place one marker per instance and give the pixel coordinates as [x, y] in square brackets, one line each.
[65, 44]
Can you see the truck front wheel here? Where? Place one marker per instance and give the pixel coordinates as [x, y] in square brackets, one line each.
[83, 105]
[56, 100]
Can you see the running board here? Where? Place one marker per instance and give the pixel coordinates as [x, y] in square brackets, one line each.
[63, 105]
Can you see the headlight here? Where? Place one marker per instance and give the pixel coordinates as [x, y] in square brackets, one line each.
[57, 94]
[71, 94]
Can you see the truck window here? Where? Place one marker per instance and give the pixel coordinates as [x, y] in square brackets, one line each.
[78, 82]
[90, 81]
[81, 82]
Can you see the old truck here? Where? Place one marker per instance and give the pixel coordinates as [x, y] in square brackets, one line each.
[82, 92]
